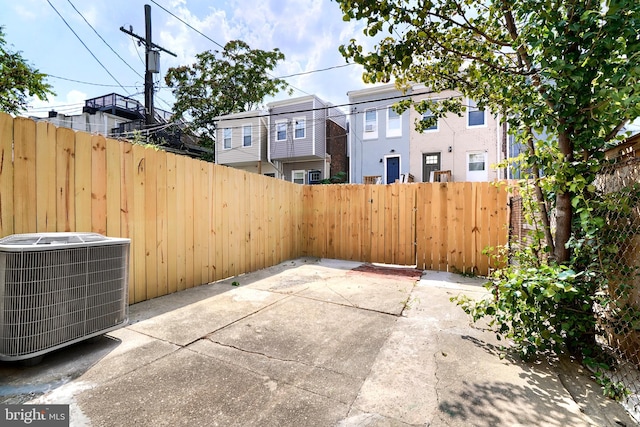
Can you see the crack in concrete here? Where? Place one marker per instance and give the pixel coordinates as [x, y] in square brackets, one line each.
[262, 374]
[406, 305]
[298, 362]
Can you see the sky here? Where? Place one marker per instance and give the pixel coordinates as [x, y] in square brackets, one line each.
[308, 32]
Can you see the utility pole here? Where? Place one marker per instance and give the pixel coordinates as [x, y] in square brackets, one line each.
[152, 62]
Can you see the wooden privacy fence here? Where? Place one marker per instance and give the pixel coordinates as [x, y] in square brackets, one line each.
[191, 222]
[438, 226]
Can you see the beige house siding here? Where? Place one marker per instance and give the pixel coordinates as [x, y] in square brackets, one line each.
[454, 140]
[239, 155]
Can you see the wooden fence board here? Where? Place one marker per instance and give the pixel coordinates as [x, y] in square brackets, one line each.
[172, 224]
[127, 191]
[355, 202]
[254, 214]
[189, 218]
[162, 224]
[6, 175]
[198, 234]
[440, 218]
[456, 228]
[65, 180]
[25, 176]
[45, 176]
[114, 172]
[211, 213]
[98, 184]
[83, 177]
[138, 239]
[181, 224]
[467, 247]
[485, 235]
[150, 221]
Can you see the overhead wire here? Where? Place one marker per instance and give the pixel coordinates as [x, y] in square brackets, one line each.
[86, 47]
[89, 83]
[105, 42]
[212, 40]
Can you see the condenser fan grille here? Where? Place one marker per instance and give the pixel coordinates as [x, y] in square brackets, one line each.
[54, 297]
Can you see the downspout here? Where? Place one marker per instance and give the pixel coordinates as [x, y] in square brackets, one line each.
[268, 125]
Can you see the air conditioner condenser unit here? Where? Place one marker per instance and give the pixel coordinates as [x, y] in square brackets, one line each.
[57, 289]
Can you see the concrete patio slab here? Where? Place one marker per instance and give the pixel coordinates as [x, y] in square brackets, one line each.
[309, 343]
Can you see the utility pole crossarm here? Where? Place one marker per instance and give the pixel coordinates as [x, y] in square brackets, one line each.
[151, 63]
[142, 39]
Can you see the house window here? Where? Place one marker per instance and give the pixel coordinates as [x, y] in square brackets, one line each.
[475, 115]
[246, 136]
[428, 115]
[370, 123]
[300, 128]
[476, 162]
[226, 138]
[314, 177]
[394, 125]
[281, 131]
[297, 177]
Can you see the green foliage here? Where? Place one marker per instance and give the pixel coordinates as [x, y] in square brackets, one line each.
[18, 80]
[540, 306]
[338, 178]
[221, 83]
[615, 390]
[138, 138]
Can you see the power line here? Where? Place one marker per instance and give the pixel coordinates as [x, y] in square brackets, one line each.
[89, 83]
[105, 42]
[86, 47]
[212, 40]
[316, 71]
[349, 104]
[187, 24]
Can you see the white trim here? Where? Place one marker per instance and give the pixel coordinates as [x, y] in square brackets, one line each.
[432, 130]
[250, 126]
[471, 102]
[385, 158]
[481, 175]
[372, 133]
[295, 127]
[224, 138]
[293, 173]
[280, 122]
[393, 133]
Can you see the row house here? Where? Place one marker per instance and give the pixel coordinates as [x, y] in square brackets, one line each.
[378, 136]
[301, 140]
[241, 142]
[385, 147]
[456, 148]
[307, 139]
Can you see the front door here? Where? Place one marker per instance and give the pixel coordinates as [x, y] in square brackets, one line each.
[393, 169]
[430, 163]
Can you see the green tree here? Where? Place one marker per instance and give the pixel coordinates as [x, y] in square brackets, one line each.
[565, 75]
[220, 83]
[18, 80]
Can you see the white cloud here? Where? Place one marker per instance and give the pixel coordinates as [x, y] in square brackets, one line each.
[72, 103]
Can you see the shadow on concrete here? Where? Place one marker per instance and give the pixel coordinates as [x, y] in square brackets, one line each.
[20, 383]
[157, 306]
